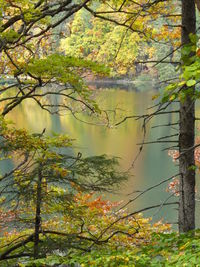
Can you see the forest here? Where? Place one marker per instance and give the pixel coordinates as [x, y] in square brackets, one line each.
[99, 133]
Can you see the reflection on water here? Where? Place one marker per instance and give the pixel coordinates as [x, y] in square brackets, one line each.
[152, 166]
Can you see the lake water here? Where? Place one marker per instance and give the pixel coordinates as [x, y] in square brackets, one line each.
[151, 167]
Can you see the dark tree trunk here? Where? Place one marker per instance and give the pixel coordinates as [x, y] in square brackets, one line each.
[38, 213]
[187, 135]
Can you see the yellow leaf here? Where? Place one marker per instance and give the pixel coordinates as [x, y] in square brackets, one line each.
[155, 96]
[184, 246]
[172, 97]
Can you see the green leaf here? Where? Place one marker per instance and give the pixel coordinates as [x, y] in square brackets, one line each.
[193, 38]
[190, 83]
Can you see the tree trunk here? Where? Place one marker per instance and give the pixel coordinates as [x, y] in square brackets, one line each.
[187, 135]
[38, 213]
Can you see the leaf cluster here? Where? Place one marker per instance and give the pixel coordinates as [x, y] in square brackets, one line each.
[163, 250]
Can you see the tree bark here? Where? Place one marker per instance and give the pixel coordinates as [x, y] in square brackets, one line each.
[187, 134]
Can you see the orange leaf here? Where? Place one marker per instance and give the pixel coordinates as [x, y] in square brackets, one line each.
[198, 52]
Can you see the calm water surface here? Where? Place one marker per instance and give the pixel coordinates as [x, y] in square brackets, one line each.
[152, 166]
